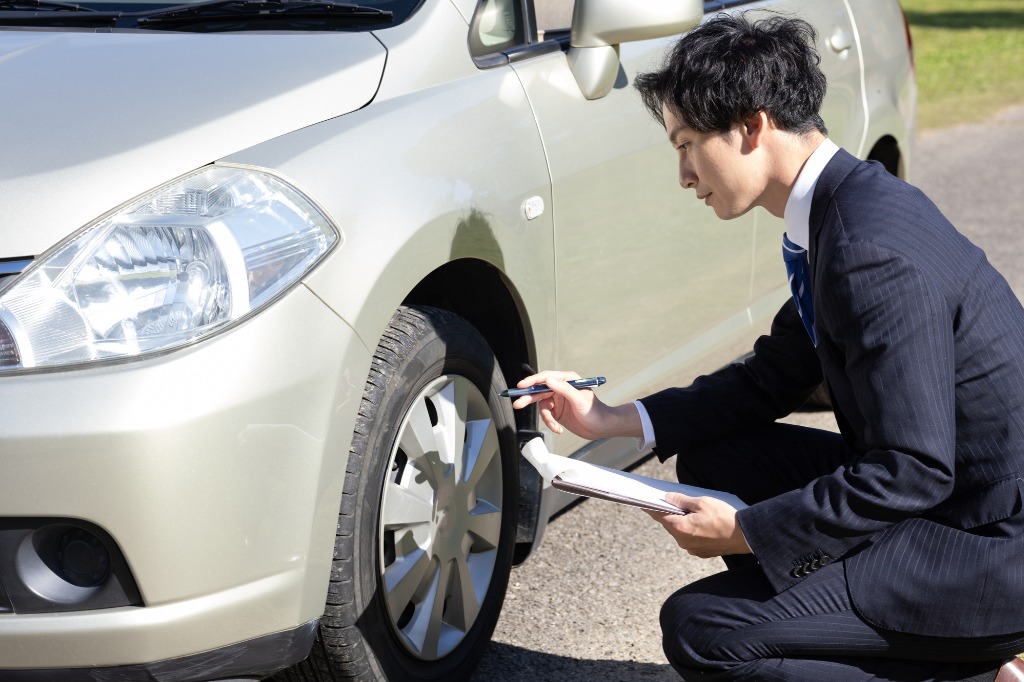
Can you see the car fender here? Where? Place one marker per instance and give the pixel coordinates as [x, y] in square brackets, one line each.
[421, 180]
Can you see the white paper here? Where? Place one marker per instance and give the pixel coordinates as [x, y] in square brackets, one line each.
[619, 486]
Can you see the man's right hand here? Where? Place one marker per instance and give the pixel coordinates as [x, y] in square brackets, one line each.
[579, 411]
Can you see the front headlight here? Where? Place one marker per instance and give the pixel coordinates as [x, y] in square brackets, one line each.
[168, 268]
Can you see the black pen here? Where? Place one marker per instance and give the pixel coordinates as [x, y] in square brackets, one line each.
[543, 388]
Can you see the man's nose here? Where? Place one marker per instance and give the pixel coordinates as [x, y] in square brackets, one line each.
[687, 179]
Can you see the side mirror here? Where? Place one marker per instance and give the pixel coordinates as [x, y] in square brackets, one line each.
[599, 26]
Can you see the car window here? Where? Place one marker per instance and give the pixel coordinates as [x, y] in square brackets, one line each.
[556, 15]
[553, 15]
[715, 5]
[497, 26]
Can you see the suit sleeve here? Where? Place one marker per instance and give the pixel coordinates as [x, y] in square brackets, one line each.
[776, 379]
[883, 320]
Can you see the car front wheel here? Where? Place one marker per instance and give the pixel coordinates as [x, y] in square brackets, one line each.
[427, 522]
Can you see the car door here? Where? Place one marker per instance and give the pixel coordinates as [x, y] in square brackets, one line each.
[648, 280]
[845, 117]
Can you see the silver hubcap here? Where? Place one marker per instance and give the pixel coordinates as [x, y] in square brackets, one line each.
[440, 519]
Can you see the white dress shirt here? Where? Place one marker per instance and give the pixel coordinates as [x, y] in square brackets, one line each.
[798, 207]
[798, 228]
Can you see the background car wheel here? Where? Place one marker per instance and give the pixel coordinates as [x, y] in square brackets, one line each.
[427, 523]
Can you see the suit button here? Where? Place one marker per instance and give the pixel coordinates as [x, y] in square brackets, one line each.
[826, 560]
[815, 565]
[798, 572]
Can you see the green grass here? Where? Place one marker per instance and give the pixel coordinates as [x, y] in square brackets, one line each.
[969, 56]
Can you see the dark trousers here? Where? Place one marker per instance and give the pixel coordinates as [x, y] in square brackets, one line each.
[733, 626]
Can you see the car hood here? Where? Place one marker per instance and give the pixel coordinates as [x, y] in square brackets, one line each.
[90, 120]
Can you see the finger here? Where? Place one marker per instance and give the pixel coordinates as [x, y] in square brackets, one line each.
[560, 386]
[671, 525]
[560, 390]
[684, 502]
[524, 400]
[542, 377]
[550, 421]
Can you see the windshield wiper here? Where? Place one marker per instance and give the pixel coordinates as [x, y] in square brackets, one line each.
[262, 11]
[53, 13]
[213, 15]
[41, 5]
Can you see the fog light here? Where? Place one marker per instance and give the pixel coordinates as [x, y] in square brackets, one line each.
[62, 564]
[49, 565]
[82, 558]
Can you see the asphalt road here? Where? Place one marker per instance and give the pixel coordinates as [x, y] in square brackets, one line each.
[585, 606]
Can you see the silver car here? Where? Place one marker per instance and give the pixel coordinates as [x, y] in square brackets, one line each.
[265, 266]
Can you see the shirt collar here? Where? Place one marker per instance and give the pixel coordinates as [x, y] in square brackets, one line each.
[798, 207]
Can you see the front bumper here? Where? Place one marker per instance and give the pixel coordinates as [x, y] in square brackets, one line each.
[255, 659]
[216, 470]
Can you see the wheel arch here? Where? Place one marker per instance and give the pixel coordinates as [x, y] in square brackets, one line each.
[890, 138]
[887, 152]
[479, 292]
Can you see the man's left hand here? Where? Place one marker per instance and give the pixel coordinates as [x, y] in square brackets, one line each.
[708, 530]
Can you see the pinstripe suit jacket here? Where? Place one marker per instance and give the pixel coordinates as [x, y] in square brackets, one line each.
[921, 342]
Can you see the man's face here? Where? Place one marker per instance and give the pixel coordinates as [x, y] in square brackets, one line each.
[718, 166]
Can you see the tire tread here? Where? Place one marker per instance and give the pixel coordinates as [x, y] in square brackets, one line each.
[338, 651]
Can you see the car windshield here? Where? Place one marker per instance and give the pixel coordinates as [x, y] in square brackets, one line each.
[210, 14]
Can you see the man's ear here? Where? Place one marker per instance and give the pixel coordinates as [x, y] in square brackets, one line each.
[754, 128]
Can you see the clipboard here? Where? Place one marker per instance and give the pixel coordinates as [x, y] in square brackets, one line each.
[590, 480]
[585, 491]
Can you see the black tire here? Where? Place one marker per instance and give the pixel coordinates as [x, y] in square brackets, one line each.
[362, 636]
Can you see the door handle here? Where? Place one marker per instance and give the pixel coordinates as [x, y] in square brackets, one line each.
[840, 41]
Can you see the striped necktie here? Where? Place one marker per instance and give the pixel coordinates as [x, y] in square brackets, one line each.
[799, 270]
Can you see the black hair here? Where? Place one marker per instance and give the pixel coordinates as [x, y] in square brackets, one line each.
[730, 68]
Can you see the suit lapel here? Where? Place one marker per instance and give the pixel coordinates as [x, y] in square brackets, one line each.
[836, 170]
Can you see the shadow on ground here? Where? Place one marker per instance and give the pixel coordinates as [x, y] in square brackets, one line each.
[508, 663]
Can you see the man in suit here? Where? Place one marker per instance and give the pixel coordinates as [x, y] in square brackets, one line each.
[894, 550]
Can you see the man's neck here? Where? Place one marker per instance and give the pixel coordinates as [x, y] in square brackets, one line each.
[790, 153]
